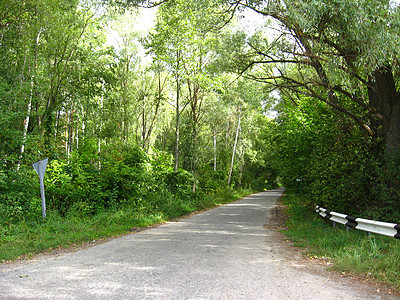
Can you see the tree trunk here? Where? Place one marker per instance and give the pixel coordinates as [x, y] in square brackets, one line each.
[26, 125]
[234, 146]
[215, 149]
[155, 116]
[100, 125]
[386, 100]
[144, 122]
[70, 138]
[390, 110]
[176, 150]
[56, 125]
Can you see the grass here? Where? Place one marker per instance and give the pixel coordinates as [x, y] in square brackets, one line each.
[27, 238]
[352, 251]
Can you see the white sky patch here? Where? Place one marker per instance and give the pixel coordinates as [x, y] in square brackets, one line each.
[145, 20]
[140, 22]
[395, 3]
[251, 21]
[137, 23]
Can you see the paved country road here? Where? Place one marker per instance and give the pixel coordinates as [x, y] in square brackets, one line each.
[223, 253]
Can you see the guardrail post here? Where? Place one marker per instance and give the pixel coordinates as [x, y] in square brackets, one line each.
[301, 196]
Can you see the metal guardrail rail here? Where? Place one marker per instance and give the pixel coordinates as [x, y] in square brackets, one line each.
[382, 228]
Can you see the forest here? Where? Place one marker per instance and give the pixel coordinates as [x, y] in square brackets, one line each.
[164, 106]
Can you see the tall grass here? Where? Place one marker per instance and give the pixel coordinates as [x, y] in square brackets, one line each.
[350, 251]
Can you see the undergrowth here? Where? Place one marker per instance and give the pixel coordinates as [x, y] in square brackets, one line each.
[351, 251]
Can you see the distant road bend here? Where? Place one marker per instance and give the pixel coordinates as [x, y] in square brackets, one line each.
[223, 253]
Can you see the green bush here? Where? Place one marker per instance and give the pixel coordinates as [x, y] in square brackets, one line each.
[340, 167]
[18, 194]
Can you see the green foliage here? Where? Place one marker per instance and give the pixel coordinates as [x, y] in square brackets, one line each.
[335, 162]
[368, 28]
[121, 177]
[90, 183]
[385, 188]
[18, 199]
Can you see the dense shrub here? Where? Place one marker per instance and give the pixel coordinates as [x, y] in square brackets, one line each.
[18, 195]
[333, 163]
[122, 176]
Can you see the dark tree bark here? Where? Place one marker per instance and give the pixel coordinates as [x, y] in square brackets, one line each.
[385, 99]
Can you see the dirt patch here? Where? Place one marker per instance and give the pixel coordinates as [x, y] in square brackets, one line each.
[278, 216]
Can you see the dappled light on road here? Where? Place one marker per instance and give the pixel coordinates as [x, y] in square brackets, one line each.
[225, 252]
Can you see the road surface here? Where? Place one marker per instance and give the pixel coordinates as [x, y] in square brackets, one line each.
[223, 253]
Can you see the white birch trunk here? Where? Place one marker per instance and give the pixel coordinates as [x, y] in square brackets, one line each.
[215, 150]
[101, 124]
[176, 152]
[234, 146]
[67, 139]
[26, 125]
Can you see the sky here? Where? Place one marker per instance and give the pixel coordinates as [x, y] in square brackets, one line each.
[250, 22]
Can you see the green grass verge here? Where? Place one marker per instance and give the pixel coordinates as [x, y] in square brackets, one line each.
[350, 251]
[26, 238]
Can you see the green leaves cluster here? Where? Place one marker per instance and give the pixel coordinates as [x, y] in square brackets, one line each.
[329, 160]
[128, 177]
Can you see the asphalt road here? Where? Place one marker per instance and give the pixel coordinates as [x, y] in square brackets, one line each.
[223, 253]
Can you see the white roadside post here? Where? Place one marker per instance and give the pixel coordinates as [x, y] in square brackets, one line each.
[40, 167]
[300, 180]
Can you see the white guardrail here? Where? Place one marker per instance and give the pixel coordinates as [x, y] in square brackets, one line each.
[383, 228]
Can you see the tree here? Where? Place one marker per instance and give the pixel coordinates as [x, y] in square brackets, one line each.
[150, 90]
[174, 43]
[342, 53]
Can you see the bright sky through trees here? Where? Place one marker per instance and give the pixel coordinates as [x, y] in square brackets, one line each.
[143, 19]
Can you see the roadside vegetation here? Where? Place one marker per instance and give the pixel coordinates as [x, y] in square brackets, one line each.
[84, 203]
[350, 252]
